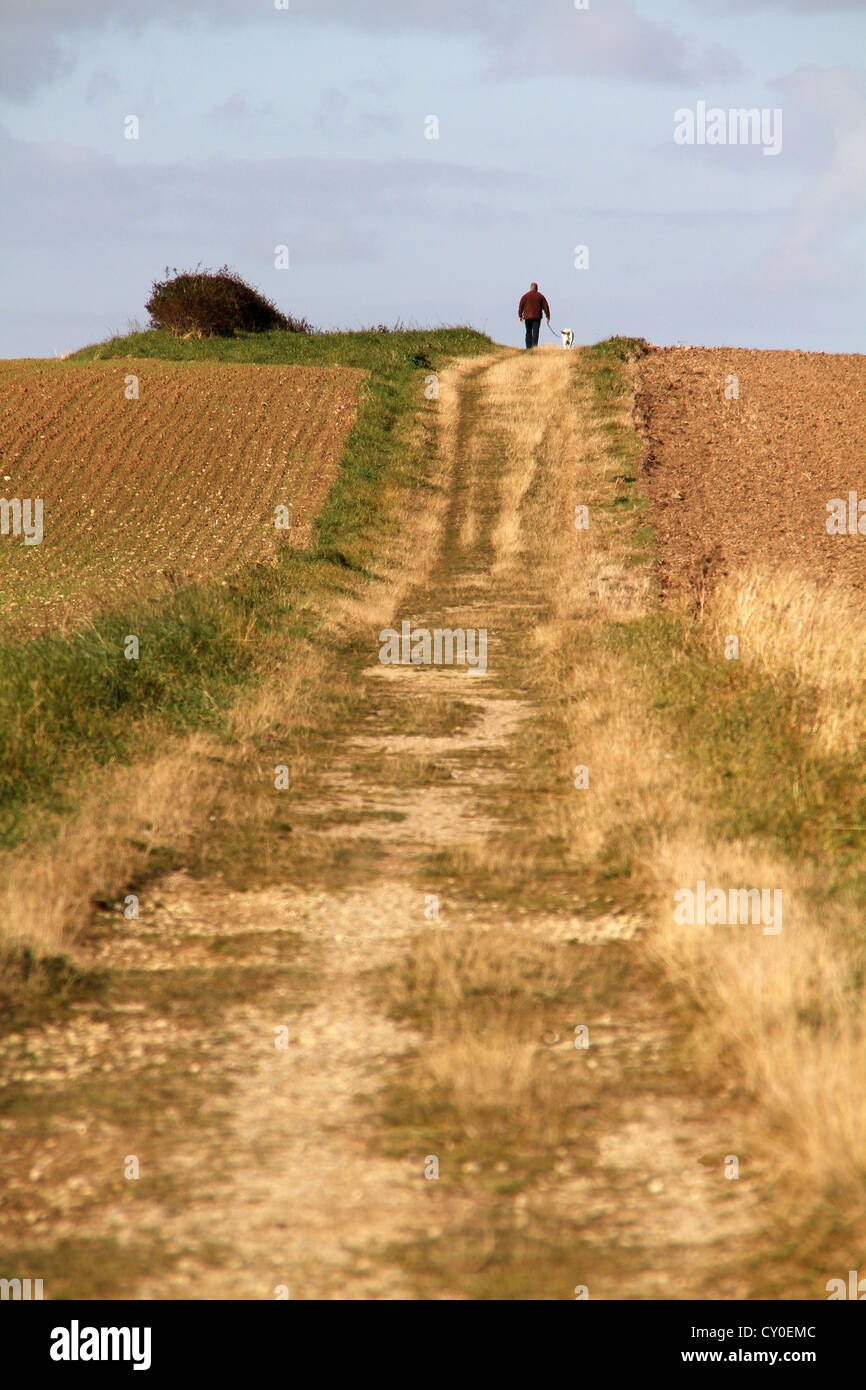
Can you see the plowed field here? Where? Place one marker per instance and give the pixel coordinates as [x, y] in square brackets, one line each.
[737, 477]
[177, 485]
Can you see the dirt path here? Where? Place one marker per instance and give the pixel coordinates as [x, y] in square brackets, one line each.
[266, 1167]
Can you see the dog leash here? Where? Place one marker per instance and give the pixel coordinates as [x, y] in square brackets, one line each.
[561, 335]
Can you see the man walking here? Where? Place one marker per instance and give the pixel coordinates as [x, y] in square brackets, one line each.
[530, 309]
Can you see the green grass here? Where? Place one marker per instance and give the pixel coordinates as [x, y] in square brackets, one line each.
[607, 361]
[67, 704]
[383, 352]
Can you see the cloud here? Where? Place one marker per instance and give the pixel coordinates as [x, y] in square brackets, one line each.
[321, 207]
[612, 41]
[813, 251]
[35, 35]
[814, 7]
[521, 40]
[513, 39]
[28, 62]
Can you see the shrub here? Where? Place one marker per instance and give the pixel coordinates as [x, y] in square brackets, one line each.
[204, 304]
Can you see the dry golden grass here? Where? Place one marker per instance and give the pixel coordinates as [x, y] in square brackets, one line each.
[782, 1010]
[788, 622]
[125, 816]
[785, 1011]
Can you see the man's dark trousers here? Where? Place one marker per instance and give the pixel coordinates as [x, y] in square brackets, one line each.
[532, 327]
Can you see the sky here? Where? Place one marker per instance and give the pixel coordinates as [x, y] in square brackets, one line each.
[424, 160]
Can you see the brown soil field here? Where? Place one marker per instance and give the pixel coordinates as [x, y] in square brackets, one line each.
[175, 486]
[731, 481]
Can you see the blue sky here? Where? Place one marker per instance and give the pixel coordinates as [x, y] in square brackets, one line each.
[306, 127]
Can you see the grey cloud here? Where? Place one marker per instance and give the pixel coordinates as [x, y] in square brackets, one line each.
[517, 39]
[34, 34]
[514, 39]
[59, 15]
[806, 7]
[266, 201]
[610, 41]
[814, 250]
[27, 63]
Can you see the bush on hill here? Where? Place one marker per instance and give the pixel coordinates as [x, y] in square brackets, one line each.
[206, 304]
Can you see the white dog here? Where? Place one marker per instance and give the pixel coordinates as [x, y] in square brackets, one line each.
[567, 337]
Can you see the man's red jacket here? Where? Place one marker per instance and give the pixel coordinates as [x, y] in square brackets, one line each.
[533, 305]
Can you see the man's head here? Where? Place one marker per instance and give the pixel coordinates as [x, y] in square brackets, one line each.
[534, 285]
